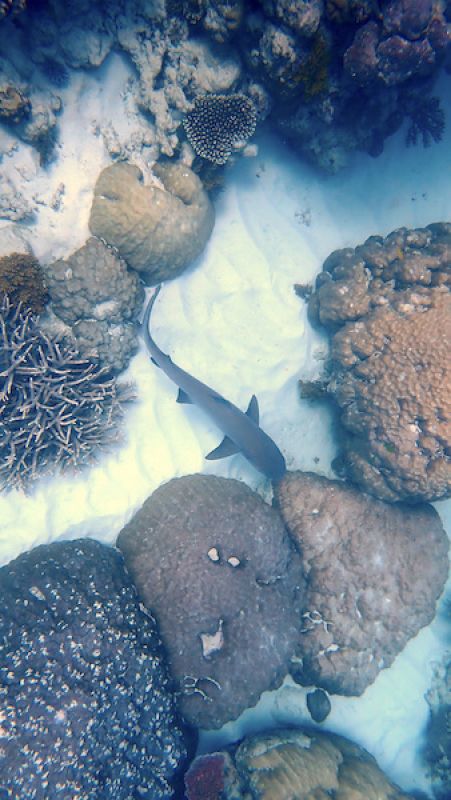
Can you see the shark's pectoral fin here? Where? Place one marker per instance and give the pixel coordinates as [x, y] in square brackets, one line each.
[226, 448]
[155, 362]
[252, 410]
[183, 397]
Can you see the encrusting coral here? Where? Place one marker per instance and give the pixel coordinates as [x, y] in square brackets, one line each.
[158, 232]
[21, 278]
[56, 408]
[374, 573]
[218, 123]
[292, 764]
[86, 709]
[216, 566]
[388, 306]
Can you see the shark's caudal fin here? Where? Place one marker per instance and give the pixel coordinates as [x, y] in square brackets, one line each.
[227, 447]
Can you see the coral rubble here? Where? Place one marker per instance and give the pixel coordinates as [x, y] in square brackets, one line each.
[85, 703]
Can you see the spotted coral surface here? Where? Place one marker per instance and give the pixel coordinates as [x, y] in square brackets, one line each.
[374, 574]
[57, 409]
[388, 306]
[85, 705]
[215, 564]
[217, 123]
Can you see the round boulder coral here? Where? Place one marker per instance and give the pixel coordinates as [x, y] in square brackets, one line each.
[85, 705]
[94, 293]
[216, 566]
[374, 573]
[157, 231]
[22, 280]
[389, 308]
[295, 763]
[218, 123]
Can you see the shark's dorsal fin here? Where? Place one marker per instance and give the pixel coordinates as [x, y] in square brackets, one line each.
[226, 448]
[183, 397]
[252, 410]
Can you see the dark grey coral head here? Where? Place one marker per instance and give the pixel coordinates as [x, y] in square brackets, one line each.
[217, 122]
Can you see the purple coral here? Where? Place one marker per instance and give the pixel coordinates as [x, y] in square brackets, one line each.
[56, 408]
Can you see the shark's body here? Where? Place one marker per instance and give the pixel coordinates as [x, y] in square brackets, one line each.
[242, 432]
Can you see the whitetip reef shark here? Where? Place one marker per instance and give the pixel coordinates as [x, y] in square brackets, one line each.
[241, 430]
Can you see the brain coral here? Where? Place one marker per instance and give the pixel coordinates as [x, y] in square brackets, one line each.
[85, 705]
[22, 280]
[157, 231]
[219, 122]
[56, 408]
[215, 564]
[293, 764]
[374, 573]
[93, 291]
[389, 308]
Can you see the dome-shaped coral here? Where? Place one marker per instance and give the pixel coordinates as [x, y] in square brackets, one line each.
[157, 231]
[22, 280]
[85, 704]
[216, 566]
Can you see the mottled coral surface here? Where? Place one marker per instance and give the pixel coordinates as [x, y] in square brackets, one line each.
[216, 566]
[374, 573]
[85, 705]
[388, 306]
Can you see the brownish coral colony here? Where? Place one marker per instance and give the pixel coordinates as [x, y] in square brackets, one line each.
[387, 304]
[293, 764]
[216, 566]
[374, 573]
[22, 279]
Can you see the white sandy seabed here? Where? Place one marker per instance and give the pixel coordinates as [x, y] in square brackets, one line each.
[234, 321]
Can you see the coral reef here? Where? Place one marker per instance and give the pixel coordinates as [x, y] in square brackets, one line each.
[374, 573]
[157, 231]
[11, 7]
[387, 304]
[293, 763]
[93, 292]
[22, 280]
[85, 704]
[427, 120]
[218, 123]
[437, 751]
[56, 408]
[215, 565]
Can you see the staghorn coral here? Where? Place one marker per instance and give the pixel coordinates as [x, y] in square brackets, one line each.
[437, 748]
[216, 566]
[218, 123]
[292, 764]
[374, 573]
[22, 280]
[86, 709]
[387, 304]
[56, 408]
[157, 231]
